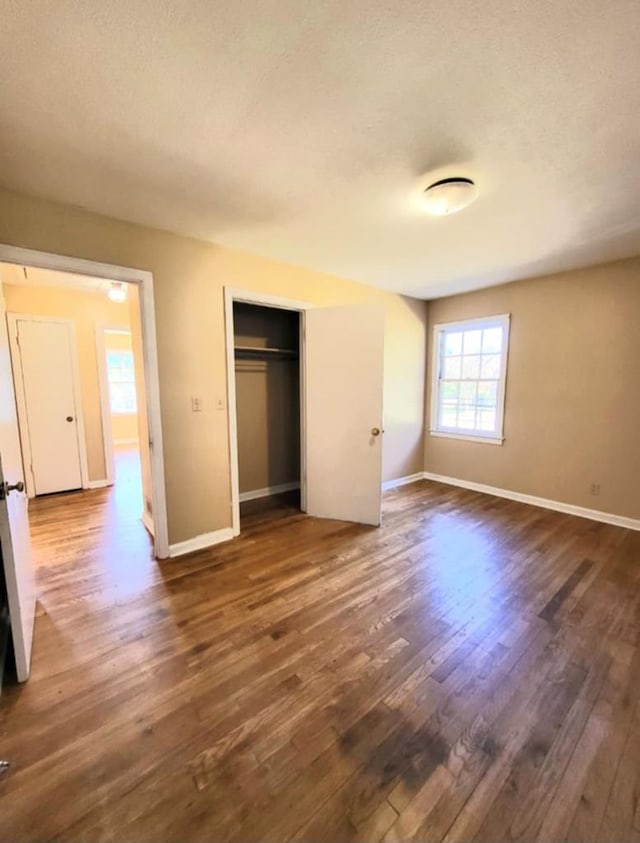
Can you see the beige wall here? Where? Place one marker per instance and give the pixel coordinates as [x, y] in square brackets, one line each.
[124, 426]
[189, 277]
[86, 309]
[572, 412]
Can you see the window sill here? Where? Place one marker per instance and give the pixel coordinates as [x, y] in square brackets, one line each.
[468, 437]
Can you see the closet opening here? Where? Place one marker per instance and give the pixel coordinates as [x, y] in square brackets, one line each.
[266, 350]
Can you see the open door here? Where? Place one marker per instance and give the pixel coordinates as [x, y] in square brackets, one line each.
[344, 349]
[15, 545]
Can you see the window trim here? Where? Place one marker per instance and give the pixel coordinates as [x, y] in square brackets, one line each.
[502, 320]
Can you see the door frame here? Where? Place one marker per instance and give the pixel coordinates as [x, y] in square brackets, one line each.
[144, 281]
[231, 295]
[21, 399]
[105, 405]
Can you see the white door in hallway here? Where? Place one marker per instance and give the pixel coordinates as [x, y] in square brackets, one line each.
[51, 404]
[15, 545]
[344, 349]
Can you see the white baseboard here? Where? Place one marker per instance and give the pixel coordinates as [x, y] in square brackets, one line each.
[147, 520]
[126, 441]
[545, 503]
[200, 542]
[218, 536]
[266, 492]
[402, 481]
[98, 484]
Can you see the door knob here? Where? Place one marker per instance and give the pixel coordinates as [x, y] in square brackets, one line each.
[69, 418]
[375, 431]
[6, 488]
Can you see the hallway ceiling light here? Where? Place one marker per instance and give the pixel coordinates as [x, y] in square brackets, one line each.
[448, 196]
[117, 291]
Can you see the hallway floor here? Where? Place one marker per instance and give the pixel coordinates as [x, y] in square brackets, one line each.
[469, 671]
[96, 533]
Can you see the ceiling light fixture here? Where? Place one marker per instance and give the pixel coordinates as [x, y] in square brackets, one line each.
[117, 292]
[448, 196]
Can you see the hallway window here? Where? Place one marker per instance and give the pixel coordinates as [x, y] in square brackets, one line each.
[122, 384]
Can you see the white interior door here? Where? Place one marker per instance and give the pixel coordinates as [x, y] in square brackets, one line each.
[344, 349]
[15, 545]
[46, 358]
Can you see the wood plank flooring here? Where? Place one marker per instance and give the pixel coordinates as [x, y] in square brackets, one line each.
[469, 671]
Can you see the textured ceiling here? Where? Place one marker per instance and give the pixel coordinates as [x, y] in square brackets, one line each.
[300, 130]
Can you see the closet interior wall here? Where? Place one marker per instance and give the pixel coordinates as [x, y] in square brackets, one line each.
[267, 373]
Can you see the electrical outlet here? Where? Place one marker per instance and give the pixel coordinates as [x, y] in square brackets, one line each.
[595, 488]
[196, 404]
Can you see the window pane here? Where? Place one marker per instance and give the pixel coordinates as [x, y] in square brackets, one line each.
[491, 340]
[471, 367]
[113, 358]
[487, 393]
[120, 374]
[453, 343]
[472, 341]
[123, 397]
[487, 420]
[490, 366]
[118, 359]
[129, 398]
[468, 390]
[448, 415]
[120, 366]
[451, 368]
[467, 419]
[449, 391]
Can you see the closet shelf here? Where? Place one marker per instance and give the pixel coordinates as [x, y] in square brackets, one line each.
[255, 351]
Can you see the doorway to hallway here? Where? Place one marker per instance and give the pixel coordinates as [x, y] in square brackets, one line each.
[79, 381]
[76, 351]
[17, 270]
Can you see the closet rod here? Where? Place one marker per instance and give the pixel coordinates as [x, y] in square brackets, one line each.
[252, 349]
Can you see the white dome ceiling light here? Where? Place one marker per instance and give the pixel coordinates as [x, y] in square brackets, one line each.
[448, 196]
[117, 291]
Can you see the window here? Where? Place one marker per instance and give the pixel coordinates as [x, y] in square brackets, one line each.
[122, 383]
[467, 398]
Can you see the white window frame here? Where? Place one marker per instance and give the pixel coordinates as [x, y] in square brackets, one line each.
[439, 330]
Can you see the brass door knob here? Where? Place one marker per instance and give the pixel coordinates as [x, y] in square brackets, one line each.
[375, 431]
[69, 418]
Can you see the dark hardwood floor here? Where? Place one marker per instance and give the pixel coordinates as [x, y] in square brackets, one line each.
[469, 671]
